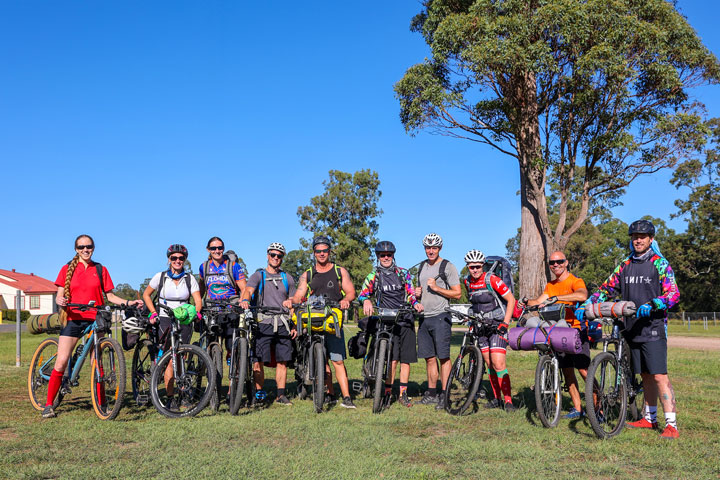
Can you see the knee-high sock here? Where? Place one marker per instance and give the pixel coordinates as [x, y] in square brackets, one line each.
[505, 385]
[53, 386]
[494, 383]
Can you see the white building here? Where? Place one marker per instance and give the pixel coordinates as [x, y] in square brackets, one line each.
[38, 294]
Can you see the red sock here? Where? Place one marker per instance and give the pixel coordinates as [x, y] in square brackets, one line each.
[495, 384]
[53, 386]
[505, 385]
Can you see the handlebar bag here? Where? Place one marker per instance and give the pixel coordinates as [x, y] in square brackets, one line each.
[321, 322]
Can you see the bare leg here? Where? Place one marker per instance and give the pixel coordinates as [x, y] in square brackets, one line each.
[341, 374]
[432, 371]
[259, 375]
[445, 367]
[281, 374]
[667, 394]
[572, 383]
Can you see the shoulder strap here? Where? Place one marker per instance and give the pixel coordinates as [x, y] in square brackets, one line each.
[309, 275]
[490, 288]
[339, 279]
[261, 287]
[283, 275]
[188, 282]
[202, 277]
[99, 268]
[230, 275]
[442, 275]
[160, 286]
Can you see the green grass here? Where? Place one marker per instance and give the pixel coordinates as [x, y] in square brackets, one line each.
[696, 329]
[292, 442]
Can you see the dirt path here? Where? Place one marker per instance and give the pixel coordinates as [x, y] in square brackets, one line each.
[694, 343]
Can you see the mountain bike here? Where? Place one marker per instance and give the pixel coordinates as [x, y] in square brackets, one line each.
[145, 355]
[377, 363]
[107, 381]
[469, 367]
[192, 383]
[616, 391]
[215, 321]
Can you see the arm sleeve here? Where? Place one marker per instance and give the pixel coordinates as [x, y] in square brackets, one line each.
[194, 287]
[238, 272]
[578, 284]
[609, 289]
[60, 281]
[409, 290]
[452, 275]
[368, 287]
[254, 280]
[498, 285]
[155, 281]
[291, 285]
[107, 281]
[670, 293]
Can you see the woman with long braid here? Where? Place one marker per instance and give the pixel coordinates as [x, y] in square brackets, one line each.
[78, 282]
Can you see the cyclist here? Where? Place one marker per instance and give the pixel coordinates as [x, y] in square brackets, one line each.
[174, 287]
[438, 282]
[392, 288]
[80, 281]
[276, 331]
[646, 279]
[333, 282]
[221, 278]
[569, 289]
[490, 296]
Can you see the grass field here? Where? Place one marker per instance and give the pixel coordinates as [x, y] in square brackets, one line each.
[292, 442]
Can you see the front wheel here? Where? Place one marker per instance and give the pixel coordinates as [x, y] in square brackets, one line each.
[548, 398]
[143, 360]
[189, 389]
[464, 380]
[107, 381]
[238, 374]
[41, 367]
[319, 383]
[379, 391]
[606, 396]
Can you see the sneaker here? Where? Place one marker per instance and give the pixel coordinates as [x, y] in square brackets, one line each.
[347, 403]
[428, 399]
[330, 399]
[405, 401]
[573, 414]
[509, 407]
[494, 403]
[441, 403]
[173, 403]
[48, 412]
[643, 423]
[283, 400]
[670, 432]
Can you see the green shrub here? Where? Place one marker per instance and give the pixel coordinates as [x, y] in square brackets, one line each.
[12, 315]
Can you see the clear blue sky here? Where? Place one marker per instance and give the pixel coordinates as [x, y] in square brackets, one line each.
[150, 123]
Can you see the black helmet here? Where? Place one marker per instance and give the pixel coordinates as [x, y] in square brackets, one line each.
[177, 248]
[321, 239]
[642, 226]
[384, 246]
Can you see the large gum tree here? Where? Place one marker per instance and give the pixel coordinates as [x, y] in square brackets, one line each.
[562, 86]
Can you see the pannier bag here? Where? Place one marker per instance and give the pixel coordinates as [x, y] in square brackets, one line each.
[609, 310]
[322, 322]
[357, 346]
[562, 339]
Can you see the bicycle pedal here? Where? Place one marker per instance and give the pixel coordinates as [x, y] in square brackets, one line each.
[142, 400]
[75, 383]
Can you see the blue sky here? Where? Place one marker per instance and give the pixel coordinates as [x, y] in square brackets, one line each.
[151, 123]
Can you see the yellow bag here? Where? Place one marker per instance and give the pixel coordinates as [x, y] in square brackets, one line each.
[321, 322]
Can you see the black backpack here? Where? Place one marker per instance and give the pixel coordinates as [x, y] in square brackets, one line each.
[441, 275]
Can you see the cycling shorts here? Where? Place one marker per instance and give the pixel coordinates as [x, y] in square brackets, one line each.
[403, 348]
[75, 328]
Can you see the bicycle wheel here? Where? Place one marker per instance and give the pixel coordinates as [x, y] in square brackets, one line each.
[319, 383]
[379, 390]
[143, 360]
[238, 374]
[41, 366]
[464, 380]
[107, 380]
[548, 398]
[607, 417]
[192, 386]
[636, 397]
[216, 356]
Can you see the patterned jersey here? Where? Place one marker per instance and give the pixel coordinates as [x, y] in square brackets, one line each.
[216, 280]
[369, 288]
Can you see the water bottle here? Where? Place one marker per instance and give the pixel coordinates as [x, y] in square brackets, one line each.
[260, 395]
[160, 353]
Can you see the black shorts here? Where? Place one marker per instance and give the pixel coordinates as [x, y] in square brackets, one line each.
[164, 330]
[267, 341]
[404, 350]
[649, 357]
[494, 343]
[75, 328]
[580, 361]
[433, 337]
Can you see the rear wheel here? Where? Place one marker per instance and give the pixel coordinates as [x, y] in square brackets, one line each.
[548, 398]
[107, 381]
[144, 357]
[464, 380]
[238, 367]
[636, 397]
[319, 383]
[216, 357]
[41, 366]
[379, 391]
[607, 414]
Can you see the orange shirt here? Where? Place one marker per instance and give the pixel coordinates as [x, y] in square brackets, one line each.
[569, 285]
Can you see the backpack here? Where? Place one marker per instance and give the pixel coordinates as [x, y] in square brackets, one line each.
[228, 273]
[499, 267]
[442, 275]
[162, 283]
[257, 296]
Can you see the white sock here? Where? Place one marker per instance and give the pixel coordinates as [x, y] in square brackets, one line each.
[670, 419]
[651, 413]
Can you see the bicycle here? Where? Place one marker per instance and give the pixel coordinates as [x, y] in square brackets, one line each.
[616, 391]
[312, 355]
[107, 383]
[145, 355]
[213, 326]
[469, 367]
[192, 376]
[378, 360]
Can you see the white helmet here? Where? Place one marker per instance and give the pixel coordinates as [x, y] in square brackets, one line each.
[432, 240]
[132, 325]
[277, 246]
[474, 256]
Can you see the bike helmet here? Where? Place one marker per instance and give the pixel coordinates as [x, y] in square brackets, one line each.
[321, 239]
[132, 325]
[277, 246]
[432, 240]
[177, 248]
[385, 246]
[642, 226]
[474, 256]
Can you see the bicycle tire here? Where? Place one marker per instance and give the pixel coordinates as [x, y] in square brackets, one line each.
[194, 365]
[142, 364]
[107, 397]
[319, 383]
[607, 418]
[464, 380]
[636, 397]
[548, 396]
[41, 365]
[216, 356]
[238, 376]
[379, 390]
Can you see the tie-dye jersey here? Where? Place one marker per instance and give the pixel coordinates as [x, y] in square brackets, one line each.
[217, 282]
[368, 287]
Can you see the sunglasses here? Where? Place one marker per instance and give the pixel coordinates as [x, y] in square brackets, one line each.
[84, 247]
[385, 255]
[176, 258]
[213, 249]
[323, 250]
[474, 267]
[557, 262]
[276, 255]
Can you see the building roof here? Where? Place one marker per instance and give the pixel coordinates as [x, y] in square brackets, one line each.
[29, 284]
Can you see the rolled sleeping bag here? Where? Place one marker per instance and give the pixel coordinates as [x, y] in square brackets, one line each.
[609, 310]
[562, 339]
[533, 322]
[47, 323]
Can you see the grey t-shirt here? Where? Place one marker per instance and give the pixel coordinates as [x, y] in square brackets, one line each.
[435, 303]
[274, 292]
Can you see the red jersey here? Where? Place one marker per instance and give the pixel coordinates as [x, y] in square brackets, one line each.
[85, 286]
